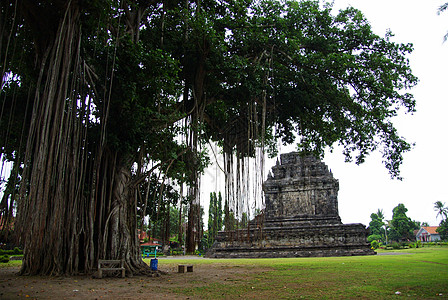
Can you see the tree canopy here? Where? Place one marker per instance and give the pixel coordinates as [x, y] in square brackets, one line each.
[376, 226]
[98, 97]
[402, 226]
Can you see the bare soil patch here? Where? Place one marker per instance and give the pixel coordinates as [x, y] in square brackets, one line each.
[13, 286]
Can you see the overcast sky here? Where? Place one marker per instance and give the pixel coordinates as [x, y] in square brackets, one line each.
[365, 189]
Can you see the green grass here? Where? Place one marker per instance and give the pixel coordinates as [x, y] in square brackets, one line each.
[417, 274]
[421, 274]
[11, 263]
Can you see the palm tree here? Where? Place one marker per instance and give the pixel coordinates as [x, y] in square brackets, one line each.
[441, 210]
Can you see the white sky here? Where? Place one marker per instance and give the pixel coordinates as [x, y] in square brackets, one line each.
[365, 189]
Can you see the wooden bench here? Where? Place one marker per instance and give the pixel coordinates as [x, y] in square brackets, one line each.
[111, 265]
[183, 268]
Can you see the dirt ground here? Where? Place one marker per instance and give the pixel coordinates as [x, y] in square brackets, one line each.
[13, 286]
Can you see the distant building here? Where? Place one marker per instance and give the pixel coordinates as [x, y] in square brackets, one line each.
[150, 249]
[428, 234]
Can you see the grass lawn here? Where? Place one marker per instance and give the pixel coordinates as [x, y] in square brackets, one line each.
[413, 273]
[11, 263]
[416, 273]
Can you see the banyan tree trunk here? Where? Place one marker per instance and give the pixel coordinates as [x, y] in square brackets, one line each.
[76, 205]
[116, 215]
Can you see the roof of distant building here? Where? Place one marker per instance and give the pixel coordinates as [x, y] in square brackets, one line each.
[149, 244]
[431, 229]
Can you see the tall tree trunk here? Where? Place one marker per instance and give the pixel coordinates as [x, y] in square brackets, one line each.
[76, 205]
[47, 210]
[118, 227]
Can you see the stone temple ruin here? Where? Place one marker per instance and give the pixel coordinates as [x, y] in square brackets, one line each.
[300, 219]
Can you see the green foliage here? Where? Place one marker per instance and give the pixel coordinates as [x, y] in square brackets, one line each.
[443, 230]
[373, 237]
[401, 226]
[376, 225]
[332, 78]
[204, 243]
[441, 209]
[375, 244]
[158, 222]
[4, 258]
[214, 217]
[395, 245]
[15, 251]
[418, 244]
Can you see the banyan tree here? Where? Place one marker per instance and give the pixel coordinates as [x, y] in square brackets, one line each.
[99, 96]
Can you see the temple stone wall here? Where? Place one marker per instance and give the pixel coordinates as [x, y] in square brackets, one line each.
[300, 186]
[300, 219]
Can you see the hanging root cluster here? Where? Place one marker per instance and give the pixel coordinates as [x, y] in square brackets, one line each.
[244, 173]
[76, 201]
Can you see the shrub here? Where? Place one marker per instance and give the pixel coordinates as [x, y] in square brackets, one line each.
[4, 258]
[373, 237]
[404, 245]
[16, 251]
[374, 244]
[395, 245]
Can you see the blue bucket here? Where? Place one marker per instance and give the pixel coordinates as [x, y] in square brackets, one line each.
[153, 264]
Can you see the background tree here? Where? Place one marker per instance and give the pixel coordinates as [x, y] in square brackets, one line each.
[443, 230]
[441, 209]
[401, 225]
[376, 227]
[214, 218]
[385, 224]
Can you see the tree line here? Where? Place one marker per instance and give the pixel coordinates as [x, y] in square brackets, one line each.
[401, 228]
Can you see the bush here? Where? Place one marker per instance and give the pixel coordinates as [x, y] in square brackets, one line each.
[395, 245]
[6, 252]
[4, 258]
[405, 245]
[374, 244]
[17, 251]
[373, 237]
